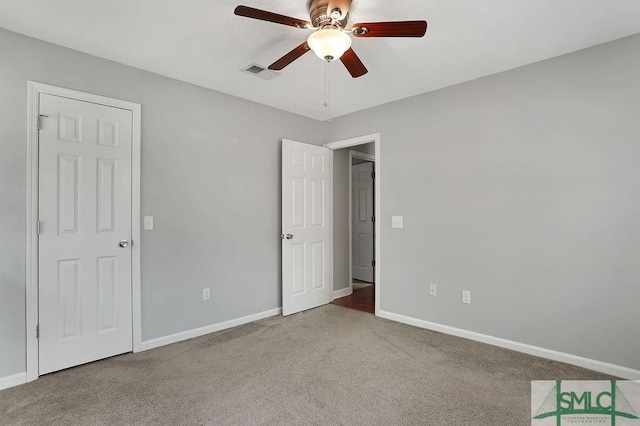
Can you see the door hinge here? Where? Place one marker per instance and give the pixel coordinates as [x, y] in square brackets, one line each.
[373, 219]
[38, 227]
[38, 331]
[373, 263]
[373, 175]
[39, 118]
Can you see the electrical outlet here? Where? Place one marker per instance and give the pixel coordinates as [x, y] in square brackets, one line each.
[206, 293]
[466, 297]
[433, 290]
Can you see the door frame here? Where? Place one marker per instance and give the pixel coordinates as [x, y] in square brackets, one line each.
[34, 89]
[371, 158]
[361, 140]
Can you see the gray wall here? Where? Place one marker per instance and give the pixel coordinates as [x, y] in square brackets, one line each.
[210, 176]
[523, 187]
[341, 217]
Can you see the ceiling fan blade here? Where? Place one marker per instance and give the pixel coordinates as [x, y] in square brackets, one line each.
[390, 29]
[353, 64]
[263, 15]
[290, 57]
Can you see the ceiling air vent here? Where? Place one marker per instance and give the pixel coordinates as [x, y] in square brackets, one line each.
[260, 71]
[254, 69]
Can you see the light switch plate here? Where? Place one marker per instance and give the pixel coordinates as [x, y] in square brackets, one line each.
[148, 223]
[396, 222]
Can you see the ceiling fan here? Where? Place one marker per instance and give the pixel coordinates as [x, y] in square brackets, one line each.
[330, 38]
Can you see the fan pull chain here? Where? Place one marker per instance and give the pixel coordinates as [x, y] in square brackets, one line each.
[327, 91]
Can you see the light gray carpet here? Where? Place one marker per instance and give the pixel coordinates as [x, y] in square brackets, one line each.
[329, 365]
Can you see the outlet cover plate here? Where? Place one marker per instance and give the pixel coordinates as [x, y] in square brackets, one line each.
[466, 297]
[206, 293]
[433, 290]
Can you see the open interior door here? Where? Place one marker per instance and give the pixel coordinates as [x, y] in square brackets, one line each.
[362, 222]
[307, 226]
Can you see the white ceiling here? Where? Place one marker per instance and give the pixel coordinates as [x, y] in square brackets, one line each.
[204, 43]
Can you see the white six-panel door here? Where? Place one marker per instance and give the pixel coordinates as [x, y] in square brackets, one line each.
[362, 222]
[85, 216]
[307, 226]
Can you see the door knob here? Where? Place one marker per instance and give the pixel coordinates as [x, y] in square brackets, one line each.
[289, 236]
[123, 243]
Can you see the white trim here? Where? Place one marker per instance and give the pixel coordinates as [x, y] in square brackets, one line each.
[33, 106]
[136, 238]
[197, 332]
[591, 364]
[13, 380]
[362, 156]
[360, 140]
[34, 90]
[375, 137]
[344, 292]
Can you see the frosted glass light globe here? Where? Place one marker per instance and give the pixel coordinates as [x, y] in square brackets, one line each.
[329, 43]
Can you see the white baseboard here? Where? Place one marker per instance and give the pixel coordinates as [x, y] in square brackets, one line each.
[591, 364]
[196, 332]
[13, 380]
[337, 294]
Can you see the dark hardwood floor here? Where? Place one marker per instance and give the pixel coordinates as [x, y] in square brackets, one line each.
[361, 300]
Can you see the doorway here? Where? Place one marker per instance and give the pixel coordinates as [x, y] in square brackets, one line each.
[361, 230]
[357, 265]
[83, 253]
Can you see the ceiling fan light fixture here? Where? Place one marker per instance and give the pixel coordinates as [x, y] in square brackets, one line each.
[329, 43]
